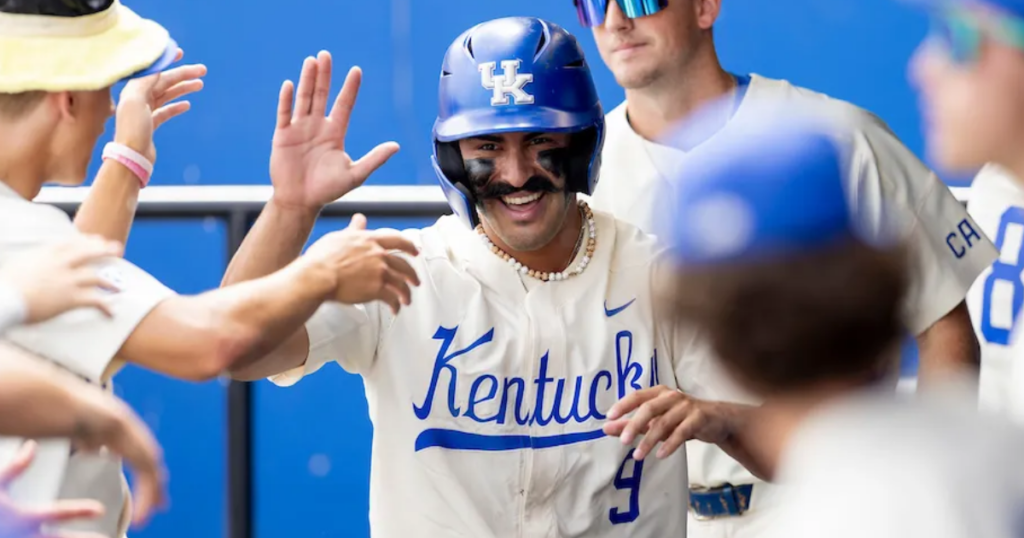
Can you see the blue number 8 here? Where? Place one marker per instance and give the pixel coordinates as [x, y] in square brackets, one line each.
[632, 483]
[1007, 273]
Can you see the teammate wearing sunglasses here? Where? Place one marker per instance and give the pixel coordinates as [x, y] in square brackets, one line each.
[970, 72]
[854, 460]
[663, 54]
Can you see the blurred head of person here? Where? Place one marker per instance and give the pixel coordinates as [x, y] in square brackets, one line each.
[970, 75]
[518, 134]
[651, 43]
[59, 60]
[768, 262]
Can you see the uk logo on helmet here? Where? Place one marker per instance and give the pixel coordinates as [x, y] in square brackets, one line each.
[511, 83]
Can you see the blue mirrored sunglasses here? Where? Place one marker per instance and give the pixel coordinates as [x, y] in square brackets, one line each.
[592, 12]
[963, 31]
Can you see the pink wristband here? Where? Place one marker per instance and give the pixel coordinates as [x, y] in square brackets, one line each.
[130, 159]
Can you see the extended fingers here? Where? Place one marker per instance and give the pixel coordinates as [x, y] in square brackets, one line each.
[322, 90]
[403, 269]
[647, 412]
[173, 77]
[631, 401]
[341, 111]
[173, 110]
[394, 281]
[26, 453]
[179, 90]
[373, 160]
[396, 241]
[662, 427]
[284, 104]
[61, 511]
[307, 86]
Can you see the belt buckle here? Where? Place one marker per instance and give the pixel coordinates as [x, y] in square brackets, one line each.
[727, 494]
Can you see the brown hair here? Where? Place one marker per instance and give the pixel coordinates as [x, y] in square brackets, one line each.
[15, 105]
[787, 323]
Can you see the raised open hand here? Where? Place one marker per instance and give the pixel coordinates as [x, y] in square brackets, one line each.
[309, 166]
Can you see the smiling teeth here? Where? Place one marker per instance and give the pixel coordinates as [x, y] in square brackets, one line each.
[521, 200]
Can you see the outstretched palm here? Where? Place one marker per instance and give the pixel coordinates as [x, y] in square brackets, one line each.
[308, 164]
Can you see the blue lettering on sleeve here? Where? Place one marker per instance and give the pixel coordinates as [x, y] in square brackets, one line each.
[968, 231]
[949, 242]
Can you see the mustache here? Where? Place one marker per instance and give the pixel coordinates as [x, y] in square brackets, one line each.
[480, 172]
[497, 189]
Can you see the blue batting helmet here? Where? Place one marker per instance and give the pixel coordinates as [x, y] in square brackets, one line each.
[517, 74]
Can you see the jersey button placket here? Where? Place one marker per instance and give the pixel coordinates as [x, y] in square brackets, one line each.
[535, 349]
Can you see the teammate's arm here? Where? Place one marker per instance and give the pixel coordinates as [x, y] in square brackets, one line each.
[276, 239]
[143, 106]
[38, 400]
[670, 417]
[948, 346]
[893, 188]
[230, 328]
[309, 168]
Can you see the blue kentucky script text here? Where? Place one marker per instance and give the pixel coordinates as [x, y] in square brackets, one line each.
[549, 404]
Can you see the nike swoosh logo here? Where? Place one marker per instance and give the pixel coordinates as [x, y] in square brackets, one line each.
[615, 311]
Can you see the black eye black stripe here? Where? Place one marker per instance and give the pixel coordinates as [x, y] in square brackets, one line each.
[55, 8]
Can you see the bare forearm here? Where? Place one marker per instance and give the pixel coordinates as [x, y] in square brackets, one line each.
[38, 400]
[740, 444]
[231, 328]
[276, 239]
[109, 209]
[948, 349]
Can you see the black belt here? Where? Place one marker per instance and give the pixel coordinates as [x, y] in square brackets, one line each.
[724, 501]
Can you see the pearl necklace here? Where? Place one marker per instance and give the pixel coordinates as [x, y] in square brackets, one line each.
[591, 231]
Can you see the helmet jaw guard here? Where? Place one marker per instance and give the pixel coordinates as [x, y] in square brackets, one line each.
[515, 75]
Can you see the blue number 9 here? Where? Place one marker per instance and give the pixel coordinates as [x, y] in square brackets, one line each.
[632, 483]
[1005, 272]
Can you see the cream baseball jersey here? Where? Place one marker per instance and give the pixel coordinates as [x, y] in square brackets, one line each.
[488, 394]
[996, 202]
[84, 342]
[872, 465]
[889, 188]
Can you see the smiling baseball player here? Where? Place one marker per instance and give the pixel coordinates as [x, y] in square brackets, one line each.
[488, 393]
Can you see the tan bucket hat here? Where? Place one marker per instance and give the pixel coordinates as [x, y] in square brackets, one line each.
[77, 45]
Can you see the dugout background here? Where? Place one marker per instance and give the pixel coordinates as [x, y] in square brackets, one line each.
[311, 443]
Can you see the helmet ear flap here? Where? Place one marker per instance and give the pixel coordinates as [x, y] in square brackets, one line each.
[582, 152]
[449, 158]
[451, 171]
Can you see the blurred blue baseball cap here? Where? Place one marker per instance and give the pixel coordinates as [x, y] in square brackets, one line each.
[774, 187]
[1010, 7]
[160, 65]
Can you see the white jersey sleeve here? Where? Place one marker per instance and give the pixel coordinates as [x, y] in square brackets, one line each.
[84, 341]
[345, 334]
[891, 189]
